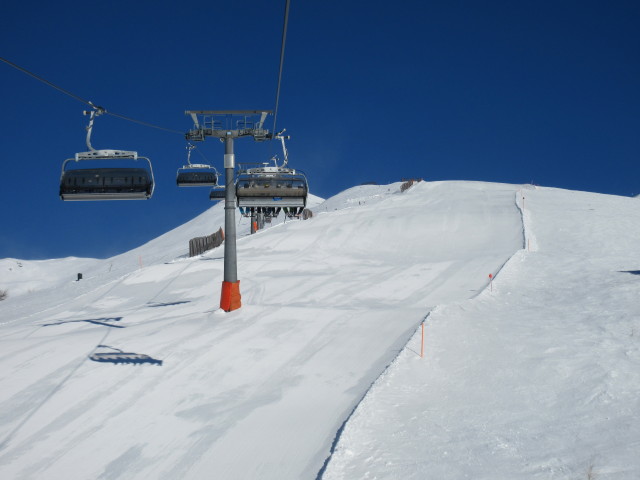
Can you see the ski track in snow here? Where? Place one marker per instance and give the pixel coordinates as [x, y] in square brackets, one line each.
[525, 242]
[328, 304]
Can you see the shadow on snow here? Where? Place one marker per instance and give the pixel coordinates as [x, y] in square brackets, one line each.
[168, 304]
[117, 356]
[96, 321]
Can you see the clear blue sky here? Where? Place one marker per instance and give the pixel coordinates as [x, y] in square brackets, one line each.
[518, 92]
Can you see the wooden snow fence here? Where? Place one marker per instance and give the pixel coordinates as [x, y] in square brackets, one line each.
[199, 245]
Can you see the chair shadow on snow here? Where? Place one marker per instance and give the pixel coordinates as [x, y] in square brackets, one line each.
[104, 321]
[168, 304]
[116, 356]
[632, 272]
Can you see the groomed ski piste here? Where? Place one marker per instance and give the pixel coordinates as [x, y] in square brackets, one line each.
[134, 373]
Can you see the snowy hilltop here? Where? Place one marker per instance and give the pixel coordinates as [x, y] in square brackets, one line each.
[528, 297]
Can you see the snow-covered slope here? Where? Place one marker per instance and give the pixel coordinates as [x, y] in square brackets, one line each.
[328, 303]
[49, 281]
[538, 377]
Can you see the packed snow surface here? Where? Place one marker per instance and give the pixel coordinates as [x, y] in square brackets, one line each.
[537, 377]
[134, 373]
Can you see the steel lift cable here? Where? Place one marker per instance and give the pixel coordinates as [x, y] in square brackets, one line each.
[101, 110]
[46, 82]
[146, 124]
[284, 41]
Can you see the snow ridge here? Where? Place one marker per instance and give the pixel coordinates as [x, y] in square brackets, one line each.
[336, 439]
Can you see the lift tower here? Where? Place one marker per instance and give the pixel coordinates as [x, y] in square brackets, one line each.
[228, 125]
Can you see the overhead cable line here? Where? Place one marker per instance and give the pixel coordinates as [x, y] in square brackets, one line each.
[46, 82]
[86, 102]
[146, 124]
[284, 40]
[202, 155]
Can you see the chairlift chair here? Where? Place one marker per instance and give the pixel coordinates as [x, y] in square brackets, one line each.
[196, 174]
[217, 194]
[106, 184]
[272, 188]
[119, 183]
[268, 189]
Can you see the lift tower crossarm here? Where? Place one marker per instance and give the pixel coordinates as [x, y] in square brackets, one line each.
[227, 124]
[228, 112]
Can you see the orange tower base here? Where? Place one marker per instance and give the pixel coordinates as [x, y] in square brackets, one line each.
[230, 299]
